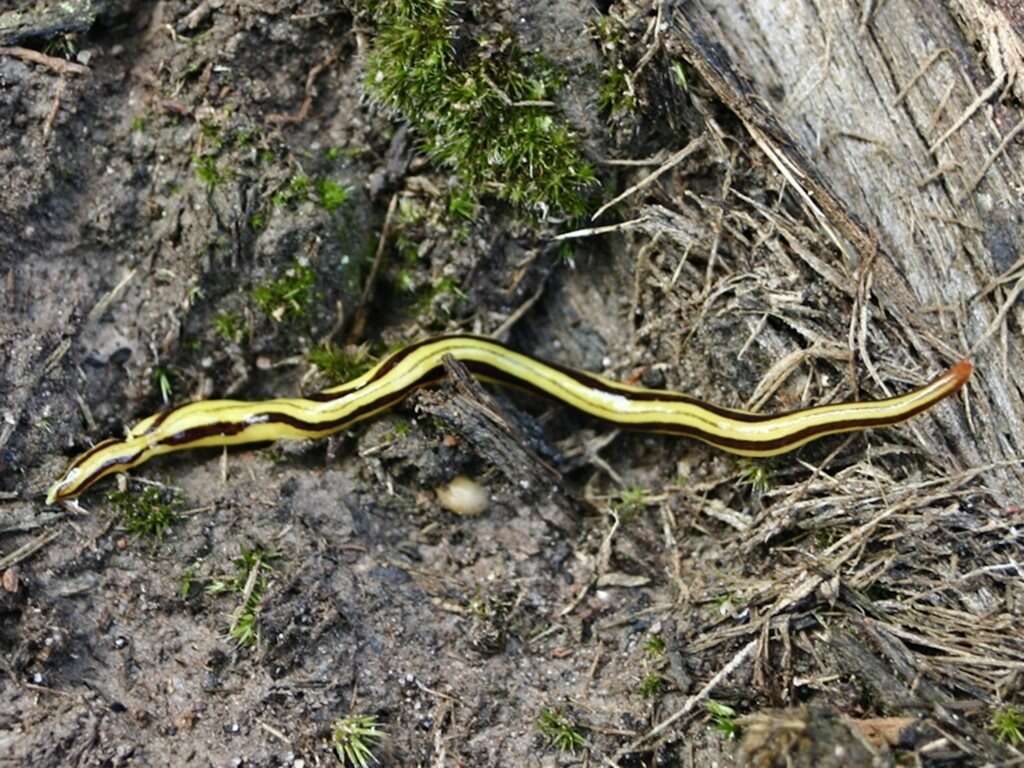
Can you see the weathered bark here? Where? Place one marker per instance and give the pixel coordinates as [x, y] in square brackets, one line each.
[892, 108]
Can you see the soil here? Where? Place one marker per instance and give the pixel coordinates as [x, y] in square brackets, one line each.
[858, 602]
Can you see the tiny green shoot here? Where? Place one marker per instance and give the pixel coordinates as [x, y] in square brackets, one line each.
[149, 514]
[249, 580]
[287, 296]
[1007, 723]
[208, 172]
[163, 379]
[651, 685]
[354, 738]
[559, 731]
[757, 474]
[724, 718]
[228, 325]
[332, 195]
[341, 365]
[655, 646]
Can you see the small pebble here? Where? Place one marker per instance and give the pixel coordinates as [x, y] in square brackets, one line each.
[463, 496]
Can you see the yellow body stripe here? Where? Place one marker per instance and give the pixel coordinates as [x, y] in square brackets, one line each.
[235, 422]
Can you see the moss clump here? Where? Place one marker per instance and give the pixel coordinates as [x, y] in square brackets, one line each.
[249, 580]
[288, 296]
[484, 111]
[331, 194]
[341, 365]
[149, 514]
[354, 738]
[559, 731]
[616, 94]
[229, 326]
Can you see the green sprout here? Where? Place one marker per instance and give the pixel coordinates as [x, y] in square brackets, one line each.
[615, 94]
[724, 718]
[163, 378]
[332, 194]
[655, 646]
[759, 475]
[354, 738]
[295, 191]
[483, 109]
[560, 731]
[651, 685]
[630, 502]
[1007, 723]
[250, 581]
[680, 75]
[208, 172]
[341, 365]
[188, 579]
[462, 205]
[228, 325]
[149, 514]
[288, 296]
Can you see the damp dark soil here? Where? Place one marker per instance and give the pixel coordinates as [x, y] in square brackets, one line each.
[210, 200]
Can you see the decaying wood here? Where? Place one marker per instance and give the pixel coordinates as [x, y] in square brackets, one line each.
[477, 418]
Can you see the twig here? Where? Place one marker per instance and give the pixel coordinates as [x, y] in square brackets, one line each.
[54, 109]
[590, 231]
[360, 317]
[28, 549]
[517, 315]
[104, 303]
[966, 114]
[673, 161]
[61, 66]
[508, 101]
[991, 159]
[299, 116]
[920, 73]
[692, 702]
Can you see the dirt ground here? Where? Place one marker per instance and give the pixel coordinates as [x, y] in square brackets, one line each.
[649, 601]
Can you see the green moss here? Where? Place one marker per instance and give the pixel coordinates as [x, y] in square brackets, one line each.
[477, 110]
[354, 738]
[462, 205]
[249, 579]
[616, 94]
[150, 513]
[331, 194]
[287, 297]
[655, 646]
[1007, 723]
[228, 325]
[630, 502]
[651, 685]
[559, 731]
[341, 365]
[208, 171]
[724, 718]
[294, 192]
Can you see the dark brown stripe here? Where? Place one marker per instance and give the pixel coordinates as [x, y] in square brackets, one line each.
[582, 377]
[162, 417]
[760, 446]
[111, 465]
[98, 447]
